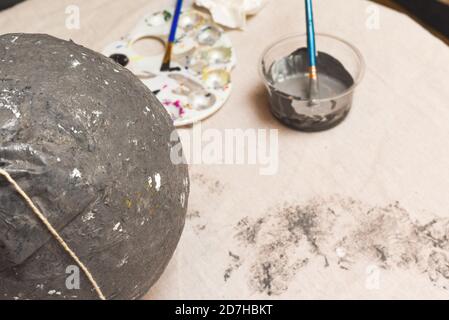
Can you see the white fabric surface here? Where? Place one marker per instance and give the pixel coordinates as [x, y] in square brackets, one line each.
[392, 147]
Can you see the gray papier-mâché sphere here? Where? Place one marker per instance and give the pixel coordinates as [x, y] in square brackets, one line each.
[91, 146]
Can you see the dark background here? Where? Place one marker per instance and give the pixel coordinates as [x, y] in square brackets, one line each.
[433, 14]
[8, 3]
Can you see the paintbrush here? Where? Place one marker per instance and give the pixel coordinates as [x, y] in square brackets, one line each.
[311, 53]
[172, 37]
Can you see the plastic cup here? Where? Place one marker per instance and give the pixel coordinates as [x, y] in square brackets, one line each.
[284, 70]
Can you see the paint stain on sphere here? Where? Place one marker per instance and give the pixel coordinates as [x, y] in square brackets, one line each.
[81, 135]
[121, 59]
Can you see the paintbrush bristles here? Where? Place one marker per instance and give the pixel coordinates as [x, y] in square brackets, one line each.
[167, 57]
[172, 37]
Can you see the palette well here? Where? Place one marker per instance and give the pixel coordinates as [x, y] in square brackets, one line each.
[199, 81]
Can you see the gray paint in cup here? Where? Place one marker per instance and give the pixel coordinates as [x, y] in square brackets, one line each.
[288, 86]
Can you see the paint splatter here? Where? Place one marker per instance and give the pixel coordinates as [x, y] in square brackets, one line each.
[6, 102]
[204, 185]
[195, 221]
[117, 227]
[75, 63]
[248, 230]
[76, 174]
[235, 264]
[88, 216]
[123, 261]
[339, 232]
[213, 186]
[193, 215]
[157, 180]
[182, 199]
[53, 292]
[178, 106]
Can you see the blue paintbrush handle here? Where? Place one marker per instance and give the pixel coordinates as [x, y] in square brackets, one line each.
[174, 24]
[311, 47]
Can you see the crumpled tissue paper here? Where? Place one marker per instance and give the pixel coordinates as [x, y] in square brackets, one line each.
[232, 13]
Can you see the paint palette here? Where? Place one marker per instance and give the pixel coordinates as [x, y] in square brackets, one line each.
[199, 80]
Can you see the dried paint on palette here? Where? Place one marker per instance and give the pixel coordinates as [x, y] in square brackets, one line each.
[338, 233]
[199, 80]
